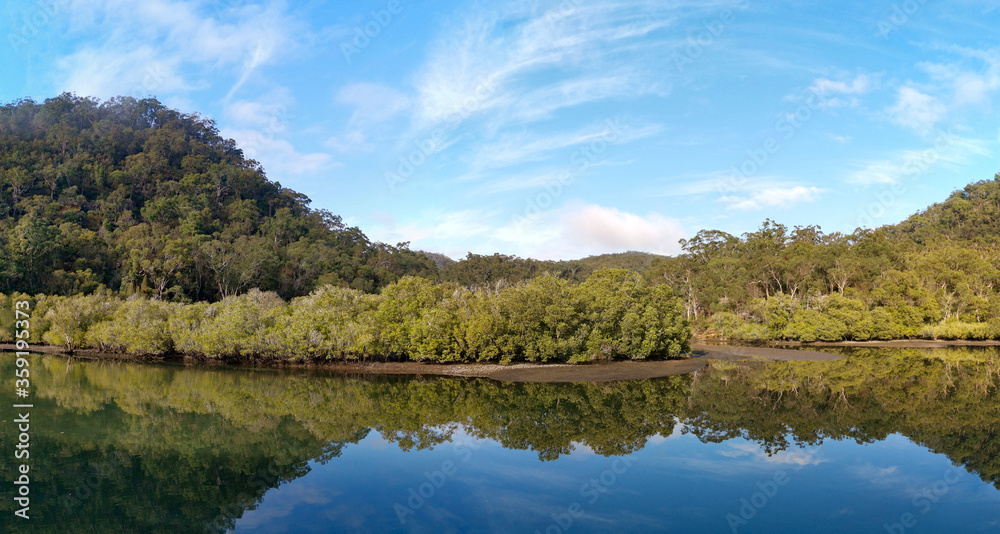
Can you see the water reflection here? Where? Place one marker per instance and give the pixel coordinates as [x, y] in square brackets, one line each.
[156, 448]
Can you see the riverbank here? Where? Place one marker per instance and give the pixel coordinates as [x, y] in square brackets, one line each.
[518, 372]
[897, 344]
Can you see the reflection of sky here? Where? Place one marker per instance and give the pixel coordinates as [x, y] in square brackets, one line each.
[676, 483]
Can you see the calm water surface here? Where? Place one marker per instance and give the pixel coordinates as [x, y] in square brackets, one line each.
[900, 441]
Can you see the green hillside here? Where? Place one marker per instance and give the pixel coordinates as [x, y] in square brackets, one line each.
[935, 275]
[141, 198]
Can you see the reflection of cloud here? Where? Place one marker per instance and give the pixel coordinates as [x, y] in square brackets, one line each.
[876, 476]
[282, 502]
[676, 433]
[375, 441]
[581, 452]
[800, 457]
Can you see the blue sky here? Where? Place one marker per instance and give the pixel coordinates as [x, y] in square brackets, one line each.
[555, 129]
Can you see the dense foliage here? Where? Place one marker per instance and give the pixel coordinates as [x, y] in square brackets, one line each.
[129, 198]
[614, 314]
[143, 199]
[935, 275]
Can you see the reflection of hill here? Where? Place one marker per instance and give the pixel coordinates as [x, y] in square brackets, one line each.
[180, 448]
[172, 449]
[945, 400]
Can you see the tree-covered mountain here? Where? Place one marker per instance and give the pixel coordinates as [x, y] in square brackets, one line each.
[936, 274]
[141, 198]
[144, 199]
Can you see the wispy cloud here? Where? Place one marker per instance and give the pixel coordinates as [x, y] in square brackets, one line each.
[573, 44]
[841, 93]
[521, 147]
[372, 102]
[773, 197]
[967, 82]
[268, 110]
[916, 110]
[280, 157]
[164, 46]
[948, 149]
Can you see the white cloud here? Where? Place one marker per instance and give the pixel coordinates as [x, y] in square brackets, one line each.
[581, 229]
[279, 157]
[581, 48]
[271, 110]
[839, 93]
[969, 82]
[858, 86]
[573, 231]
[139, 72]
[773, 197]
[614, 230]
[916, 110]
[948, 149]
[165, 46]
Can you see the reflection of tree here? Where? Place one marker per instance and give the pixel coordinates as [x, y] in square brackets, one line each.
[945, 400]
[203, 446]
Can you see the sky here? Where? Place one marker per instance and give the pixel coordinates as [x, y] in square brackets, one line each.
[555, 129]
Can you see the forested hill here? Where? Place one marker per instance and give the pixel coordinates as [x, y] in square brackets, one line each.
[970, 214]
[142, 198]
[936, 274]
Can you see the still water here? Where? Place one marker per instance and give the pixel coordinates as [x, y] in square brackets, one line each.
[886, 440]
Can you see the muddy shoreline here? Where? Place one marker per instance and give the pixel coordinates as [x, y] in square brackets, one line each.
[700, 355]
